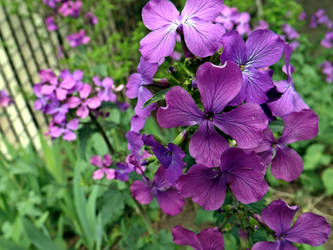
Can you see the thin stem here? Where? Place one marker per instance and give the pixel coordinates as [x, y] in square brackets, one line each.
[260, 9]
[99, 127]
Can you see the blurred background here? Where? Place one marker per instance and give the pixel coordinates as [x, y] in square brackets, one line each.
[48, 199]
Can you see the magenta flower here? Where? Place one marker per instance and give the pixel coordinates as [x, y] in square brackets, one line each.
[308, 229]
[170, 158]
[207, 239]
[105, 90]
[302, 16]
[84, 103]
[71, 8]
[327, 70]
[169, 199]
[291, 33]
[51, 25]
[201, 35]
[103, 167]
[79, 38]
[217, 85]
[135, 87]
[250, 57]
[287, 164]
[227, 17]
[242, 172]
[290, 100]
[137, 123]
[91, 18]
[67, 130]
[52, 3]
[57, 110]
[5, 99]
[42, 101]
[320, 17]
[328, 40]
[262, 25]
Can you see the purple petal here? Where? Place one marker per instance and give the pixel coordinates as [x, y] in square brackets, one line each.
[73, 124]
[143, 96]
[73, 102]
[110, 173]
[181, 110]
[206, 10]
[211, 239]
[107, 160]
[135, 143]
[268, 245]
[264, 48]
[202, 38]
[299, 126]
[98, 174]
[137, 123]
[158, 13]
[159, 150]
[93, 103]
[82, 111]
[245, 124]
[69, 135]
[170, 201]
[218, 85]
[48, 89]
[85, 91]
[206, 186]
[206, 145]
[244, 173]
[309, 229]
[159, 43]
[278, 216]
[133, 84]
[61, 94]
[175, 168]
[96, 161]
[141, 191]
[183, 236]
[287, 164]
[147, 71]
[289, 102]
[234, 48]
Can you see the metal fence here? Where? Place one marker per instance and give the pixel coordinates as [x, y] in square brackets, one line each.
[26, 47]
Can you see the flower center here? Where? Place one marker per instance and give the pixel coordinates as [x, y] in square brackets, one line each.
[242, 67]
[209, 116]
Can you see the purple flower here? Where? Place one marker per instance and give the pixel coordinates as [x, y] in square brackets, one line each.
[170, 201]
[72, 82]
[5, 99]
[42, 101]
[262, 25]
[137, 123]
[57, 110]
[308, 229]
[291, 33]
[327, 69]
[51, 25]
[84, 103]
[171, 158]
[77, 39]
[302, 16]
[103, 165]
[52, 3]
[195, 22]
[227, 17]
[105, 90]
[71, 8]
[67, 130]
[218, 85]
[328, 40]
[290, 100]
[122, 171]
[243, 172]
[135, 87]
[320, 17]
[287, 164]
[207, 239]
[262, 49]
[91, 18]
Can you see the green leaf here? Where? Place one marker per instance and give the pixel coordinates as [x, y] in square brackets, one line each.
[157, 97]
[311, 181]
[229, 241]
[84, 134]
[40, 240]
[327, 178]
[113, 206]
[203, 216]
[9, 245]
[313, 156]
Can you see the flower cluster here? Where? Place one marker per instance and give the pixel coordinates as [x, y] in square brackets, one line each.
[320, 17]
[5, 99]
[327, 70]
[73, 9]
[65, 96]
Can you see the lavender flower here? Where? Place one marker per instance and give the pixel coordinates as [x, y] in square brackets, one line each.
[84, 103]
[328, 40]
[291, 33]
[103, 167]
[71, 8]
[106, 88]
[51, 25]
[5, 99]
[207, 239]
[287, 164]
[57, 110]
[320, 17]
[195, 22]
[218, 85]
[91, 18]
[308, 229]
[262, 25]
[171, 158]
[66, 129]
[135, 87]
[327, 69]
[250, 57]
[170, 201]
[79, 38]
[302, 16]
[137, 123]
[243, 172]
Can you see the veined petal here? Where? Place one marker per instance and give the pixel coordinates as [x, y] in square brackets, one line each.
[206, 145]
[299, 126]
[287, 164]
[158, 13]
[181, 110]
[170, 201]
[218, 85]
[278, 216]
[211, 239]
[142, 192]
[202, 38]
[309, 229]
[205, 185]
[183, 236]
[133, 84]
[264, 48]
[147, 71]
[267, 245]
[159, 43]
[144, 95]
[234, 48]
[245, 124]
[206, 10]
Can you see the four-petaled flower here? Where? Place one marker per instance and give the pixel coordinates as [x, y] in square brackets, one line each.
[103, 165]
